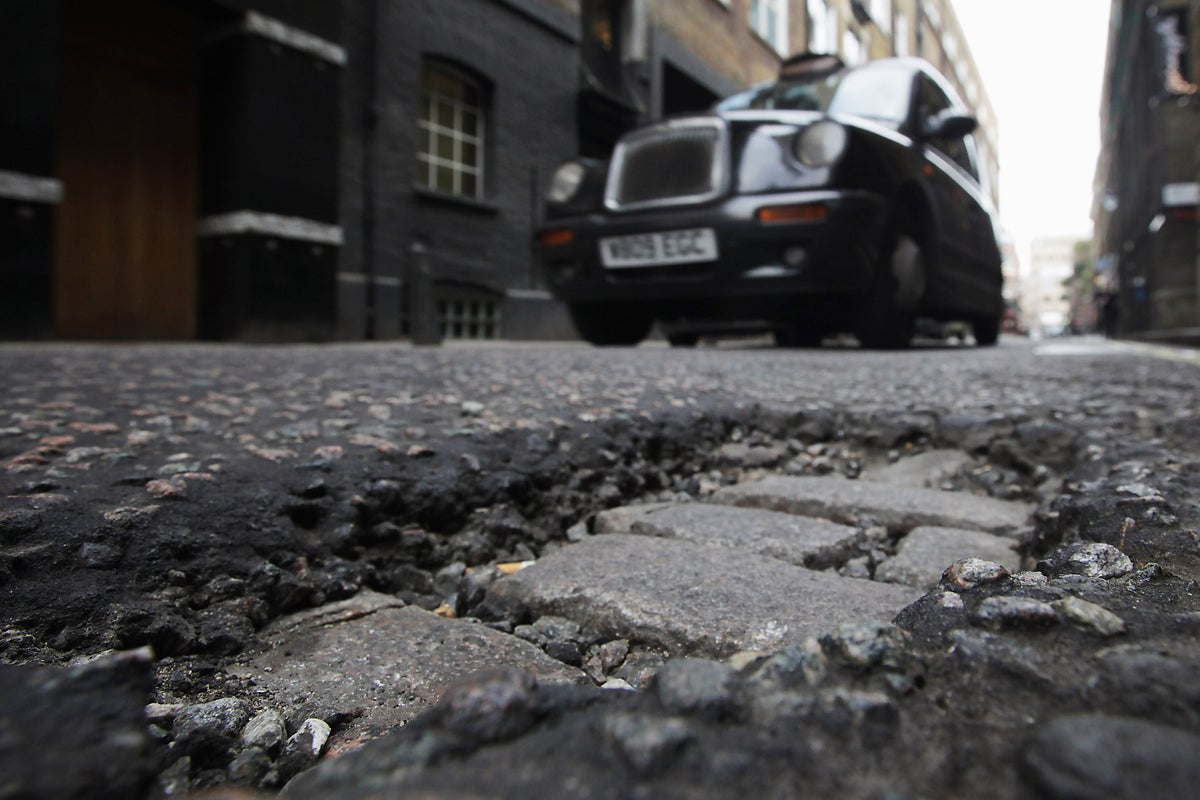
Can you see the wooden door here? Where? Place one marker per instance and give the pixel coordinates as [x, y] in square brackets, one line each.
[125, 246]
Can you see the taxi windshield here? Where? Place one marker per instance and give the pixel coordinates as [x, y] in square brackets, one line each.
[878, 94]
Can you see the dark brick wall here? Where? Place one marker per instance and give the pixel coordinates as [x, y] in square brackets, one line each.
[260, 288]
[270, 144]
[28, 73]
[25, 306]
[528, 53]
[270, 130]
[28, 70]
[319, 17]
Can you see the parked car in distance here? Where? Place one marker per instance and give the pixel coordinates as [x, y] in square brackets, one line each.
[833, 200]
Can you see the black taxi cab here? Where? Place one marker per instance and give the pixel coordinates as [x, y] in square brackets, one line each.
[832, 200]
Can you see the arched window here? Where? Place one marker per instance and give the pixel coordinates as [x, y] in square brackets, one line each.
[452, 126]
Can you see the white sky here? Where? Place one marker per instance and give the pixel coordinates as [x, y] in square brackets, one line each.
[1042, 63]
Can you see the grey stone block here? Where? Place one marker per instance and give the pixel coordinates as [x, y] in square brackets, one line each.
[390, 662]
[926, 552]
[903, 508]
[806, 541]
[924, 470]
[693, 599]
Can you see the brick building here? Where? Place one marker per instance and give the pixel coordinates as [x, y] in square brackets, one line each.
[307, 169]
[1147, 239]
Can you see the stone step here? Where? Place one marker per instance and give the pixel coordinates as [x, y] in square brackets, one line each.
[690, 598]
[387, 662]
[803, 541]
[925, 552]
[898, 507]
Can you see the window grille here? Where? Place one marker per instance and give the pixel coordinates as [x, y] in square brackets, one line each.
[451, 132]
[469, 317]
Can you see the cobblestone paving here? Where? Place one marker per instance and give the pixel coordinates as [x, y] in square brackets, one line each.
[924, 574]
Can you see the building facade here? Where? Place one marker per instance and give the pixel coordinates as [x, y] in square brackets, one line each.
[1147, 185]
[306, 169]
[1046, 301]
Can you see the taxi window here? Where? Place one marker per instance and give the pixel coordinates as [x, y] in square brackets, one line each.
[878, 94]
[931, 101]
[881, 95]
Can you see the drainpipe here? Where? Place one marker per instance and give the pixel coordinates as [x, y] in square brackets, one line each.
[369, 189]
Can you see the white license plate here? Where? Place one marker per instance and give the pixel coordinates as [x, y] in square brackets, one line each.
[655, 249]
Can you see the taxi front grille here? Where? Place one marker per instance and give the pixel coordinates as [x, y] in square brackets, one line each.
[671, 164]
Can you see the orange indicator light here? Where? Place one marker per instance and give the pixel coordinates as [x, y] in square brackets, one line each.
[805, 212]
[557, 238]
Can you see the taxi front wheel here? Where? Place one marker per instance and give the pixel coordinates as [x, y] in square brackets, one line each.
[610, 324]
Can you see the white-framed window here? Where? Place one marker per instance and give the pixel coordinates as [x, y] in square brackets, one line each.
[902, 37]
[769, 19]
[450, 146]
[852, 49]
[881, 14]
[818, 26]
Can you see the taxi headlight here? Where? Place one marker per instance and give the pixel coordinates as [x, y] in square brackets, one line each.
[821, 143]
[566, 182]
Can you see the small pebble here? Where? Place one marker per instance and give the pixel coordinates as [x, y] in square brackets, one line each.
[971, 572]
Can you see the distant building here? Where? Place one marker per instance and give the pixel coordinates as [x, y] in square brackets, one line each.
[308, 169]
[1147, 186]
[1045, 301]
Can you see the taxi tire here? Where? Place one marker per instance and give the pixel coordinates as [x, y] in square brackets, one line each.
[610, 324]
[683, 339]
[887, 318]
[986, 330]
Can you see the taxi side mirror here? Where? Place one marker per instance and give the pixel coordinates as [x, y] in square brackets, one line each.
[949, 124]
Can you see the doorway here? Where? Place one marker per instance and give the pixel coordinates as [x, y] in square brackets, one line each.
[128, 157]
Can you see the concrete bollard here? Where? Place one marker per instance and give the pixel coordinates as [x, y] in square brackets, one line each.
[423, 324]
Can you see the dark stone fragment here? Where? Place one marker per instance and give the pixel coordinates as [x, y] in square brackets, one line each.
[566, 652]
[78, 732]
[381, 534]
[14, 524]
[971, 433]
[100, 555]
[639, 669]
[867, 645]
[1021, 613]
[647, 744]
[207, 731]
[313, 490]
[1089, 559]
[612, 654]
[306, 514]
[176, 780]
[474, 585]
[932, 616]
[1150, 683]
[300, 752]
[1050, 442]
[282, 590]
[249, 767]
[223, 587]
[694, 686]
[1116, 758]
[135, 479]
[492, 705]
[802, 663]
[223, 633]
[168, 633]
[38, 487]
[976, 649]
